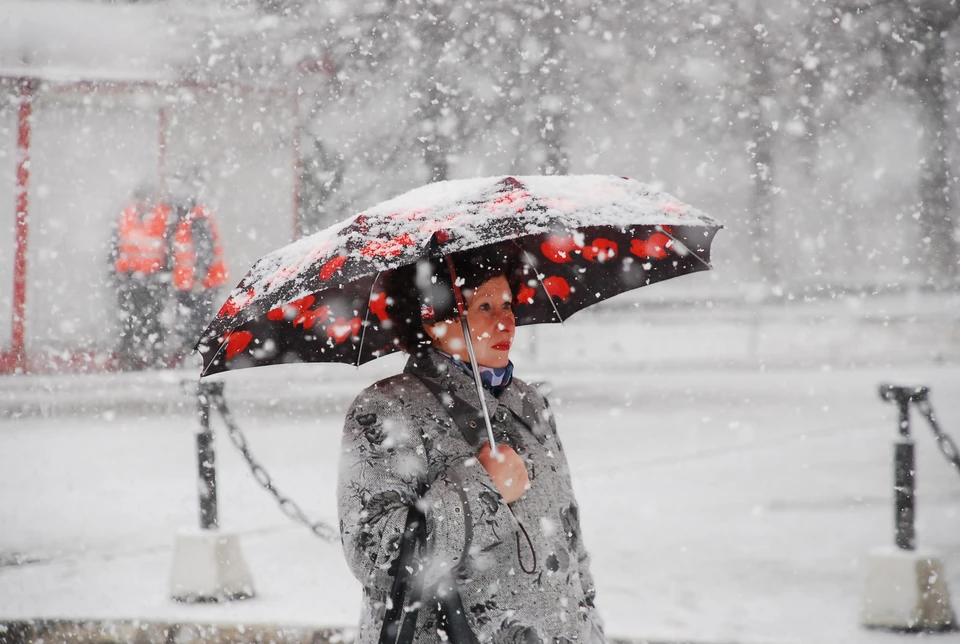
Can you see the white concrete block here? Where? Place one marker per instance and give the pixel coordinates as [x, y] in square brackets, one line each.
[906, 590]
[209, 566]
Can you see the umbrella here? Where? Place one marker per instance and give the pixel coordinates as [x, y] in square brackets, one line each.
[586, 238]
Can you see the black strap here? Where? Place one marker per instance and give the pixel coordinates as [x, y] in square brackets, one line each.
[453, 617]
[395, 629]
[465, 416]
[469, 419]
[400, 620]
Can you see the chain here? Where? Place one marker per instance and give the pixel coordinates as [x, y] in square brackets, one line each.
[287, 505]
[944, 442]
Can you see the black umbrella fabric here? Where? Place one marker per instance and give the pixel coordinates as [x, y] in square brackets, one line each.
[587, 238]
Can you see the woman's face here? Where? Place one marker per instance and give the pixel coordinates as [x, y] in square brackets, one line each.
[492, 325]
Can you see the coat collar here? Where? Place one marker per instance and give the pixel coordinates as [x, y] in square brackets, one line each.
[431, 365]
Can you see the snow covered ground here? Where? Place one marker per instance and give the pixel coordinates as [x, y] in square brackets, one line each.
[718, 505]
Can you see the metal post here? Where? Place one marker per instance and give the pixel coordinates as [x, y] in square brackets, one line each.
[904, 466]
[906, 589]
[206, 459]
[25, 87]
[467, 336]
[903, 494]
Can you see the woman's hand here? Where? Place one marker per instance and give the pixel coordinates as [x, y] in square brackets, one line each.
[507, 470]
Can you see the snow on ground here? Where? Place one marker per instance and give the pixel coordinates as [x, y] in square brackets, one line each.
[724, 505]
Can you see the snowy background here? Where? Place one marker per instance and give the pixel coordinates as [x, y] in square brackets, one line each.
[722, 500]
[729, 449]
[819, 133]
[718, 505]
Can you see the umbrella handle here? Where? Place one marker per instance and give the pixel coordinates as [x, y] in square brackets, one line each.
[462, 310]
[478, 381]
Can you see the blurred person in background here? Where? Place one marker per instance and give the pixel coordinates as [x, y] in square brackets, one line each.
[199, 268]
[139, 275]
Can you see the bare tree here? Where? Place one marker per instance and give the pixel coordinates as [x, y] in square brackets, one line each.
[756, 47]
[913, 39]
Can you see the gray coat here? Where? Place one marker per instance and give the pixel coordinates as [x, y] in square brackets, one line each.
[398, 435]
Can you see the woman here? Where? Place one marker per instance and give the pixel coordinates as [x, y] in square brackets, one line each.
[504, 528]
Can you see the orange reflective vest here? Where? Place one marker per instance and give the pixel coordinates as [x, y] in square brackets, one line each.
[185, 254]
[142, 244]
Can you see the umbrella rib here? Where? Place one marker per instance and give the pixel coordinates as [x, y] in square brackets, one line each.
[660, 229]
[366, 317]
[214, 358]
[544, 286]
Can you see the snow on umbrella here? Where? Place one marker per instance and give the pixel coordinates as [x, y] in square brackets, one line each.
[588, 238]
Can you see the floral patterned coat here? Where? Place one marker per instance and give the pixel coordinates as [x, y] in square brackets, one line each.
[399, 438]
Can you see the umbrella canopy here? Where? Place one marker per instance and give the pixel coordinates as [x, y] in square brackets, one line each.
[588, 238]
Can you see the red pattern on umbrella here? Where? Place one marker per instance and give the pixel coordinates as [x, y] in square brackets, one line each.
[511, 202]
[438, 226]
[600, 250]
[557, 287]
[559, 249]
[282, 275]
[342, 329]
[291, 310]
[237, 342]
[655, 247]
[378, 305]
[526, 295]
[411, 214]
[562, 204]
[330, 268]
[308, 318]
[388, 248]
[232, 306]
[299, 312]
[674, 207]
[314, 254]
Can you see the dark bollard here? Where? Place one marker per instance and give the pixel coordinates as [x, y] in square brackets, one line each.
[903, 494]
[206, 459]
[906, 588]
[208, 564]
[904, 465]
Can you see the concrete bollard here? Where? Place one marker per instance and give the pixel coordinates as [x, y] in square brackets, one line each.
[208, 566]
[906, 590]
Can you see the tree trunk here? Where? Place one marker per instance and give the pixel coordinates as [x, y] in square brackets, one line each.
[938, 242]
[761, 94]
[436, 146]
[811, 81]
[554, 104]
[436, 105]
[553, 133]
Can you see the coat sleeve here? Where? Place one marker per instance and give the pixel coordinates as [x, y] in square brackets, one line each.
[382, 470]
[588, 605]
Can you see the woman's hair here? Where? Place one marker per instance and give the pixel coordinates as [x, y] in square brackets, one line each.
[425, 286]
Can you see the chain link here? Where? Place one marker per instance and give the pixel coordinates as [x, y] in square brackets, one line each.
[287, 505]
[944, 441]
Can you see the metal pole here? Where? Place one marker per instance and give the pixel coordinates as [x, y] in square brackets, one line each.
[465, 325]
[904, 466]
[25, 108]
[903, 494]
[206, 460]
